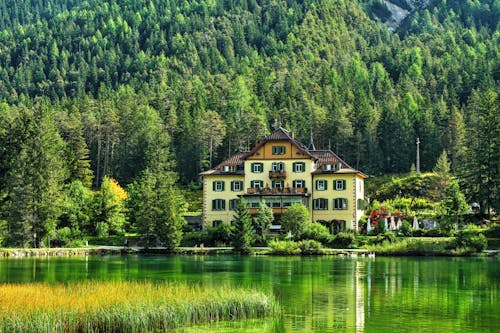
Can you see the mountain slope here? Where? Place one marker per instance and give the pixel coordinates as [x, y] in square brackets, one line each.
[320, 65]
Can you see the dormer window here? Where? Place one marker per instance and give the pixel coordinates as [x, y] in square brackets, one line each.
[279, 150]
[338, 166]
[328, 167]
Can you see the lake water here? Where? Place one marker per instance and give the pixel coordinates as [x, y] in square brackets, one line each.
[317, 294]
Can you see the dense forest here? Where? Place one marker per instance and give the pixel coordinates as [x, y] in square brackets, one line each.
[150, 93]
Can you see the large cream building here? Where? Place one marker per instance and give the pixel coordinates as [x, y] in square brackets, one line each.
[282, 171]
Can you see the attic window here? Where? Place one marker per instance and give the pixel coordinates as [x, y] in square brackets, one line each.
[279, 150]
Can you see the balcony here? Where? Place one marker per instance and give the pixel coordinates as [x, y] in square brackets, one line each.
[276, 211]
[277, 174]
[277, 191]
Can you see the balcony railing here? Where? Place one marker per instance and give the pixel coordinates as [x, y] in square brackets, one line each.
[254, 211]
[277, 174]
[277, 190]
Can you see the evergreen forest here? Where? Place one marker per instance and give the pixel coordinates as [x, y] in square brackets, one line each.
[107, 108]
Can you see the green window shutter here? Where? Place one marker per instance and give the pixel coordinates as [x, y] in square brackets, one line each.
[326, 185]
[213, 186]
[343, 185]
[213, 204]
[223, 184]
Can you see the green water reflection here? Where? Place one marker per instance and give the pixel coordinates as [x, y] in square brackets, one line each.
[324, 294]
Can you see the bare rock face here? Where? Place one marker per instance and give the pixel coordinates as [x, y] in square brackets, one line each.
[400, 9]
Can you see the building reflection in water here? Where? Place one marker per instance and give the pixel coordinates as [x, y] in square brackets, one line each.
[360, 293]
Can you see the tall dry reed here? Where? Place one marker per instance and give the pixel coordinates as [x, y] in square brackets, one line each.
[123, 306]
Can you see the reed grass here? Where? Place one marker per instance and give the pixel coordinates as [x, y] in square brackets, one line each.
[93, 306]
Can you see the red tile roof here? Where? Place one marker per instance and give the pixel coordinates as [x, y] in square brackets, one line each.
[322, 157]
[328, 157]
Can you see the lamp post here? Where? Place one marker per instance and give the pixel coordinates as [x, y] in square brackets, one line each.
[418, 156]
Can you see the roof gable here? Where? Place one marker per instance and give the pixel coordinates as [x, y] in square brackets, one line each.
[281, 135]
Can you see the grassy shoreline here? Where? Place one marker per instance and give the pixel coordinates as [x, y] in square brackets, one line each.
[92, 306]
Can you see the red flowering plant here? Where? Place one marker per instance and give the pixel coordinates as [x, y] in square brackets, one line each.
[377, 217]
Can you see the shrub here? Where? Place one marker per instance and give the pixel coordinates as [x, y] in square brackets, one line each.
[62, 237]
[493, 231]
[418, 233]
[192, 238]
[406, 229]
[386, 237]
[76, 243]
[413, 247]
[470, 238]
[284, 247]
[215, 236]
[436, 232]
[343, 240]
[379, 227]
[310, 246]
[318, 232]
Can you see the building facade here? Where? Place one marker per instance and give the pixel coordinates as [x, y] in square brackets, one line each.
[282, 171]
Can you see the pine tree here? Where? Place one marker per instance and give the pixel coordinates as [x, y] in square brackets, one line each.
[452, 206]
[481, 170]
[242, 229]
[35, 178]
[442, 177]
[155, 209]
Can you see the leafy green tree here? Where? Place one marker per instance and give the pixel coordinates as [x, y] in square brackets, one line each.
[295, 219]
[110, 209]
[155, 209]
[242, 228]
[263, 220]
[77, 209]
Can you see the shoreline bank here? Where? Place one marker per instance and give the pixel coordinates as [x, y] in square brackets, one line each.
[116, 250]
